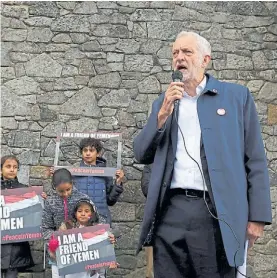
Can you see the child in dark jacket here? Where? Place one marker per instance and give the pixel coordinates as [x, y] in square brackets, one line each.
[85, 214]
[15, 257]
[101, 190]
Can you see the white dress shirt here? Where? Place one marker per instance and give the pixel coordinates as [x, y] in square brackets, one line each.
[186, 173]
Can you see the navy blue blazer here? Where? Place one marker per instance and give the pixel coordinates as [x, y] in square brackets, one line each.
[235, 156]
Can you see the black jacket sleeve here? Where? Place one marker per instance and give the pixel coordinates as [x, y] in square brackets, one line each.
[113, 191]
[146, 174]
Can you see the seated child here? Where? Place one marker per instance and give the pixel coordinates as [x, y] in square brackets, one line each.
[85, 214]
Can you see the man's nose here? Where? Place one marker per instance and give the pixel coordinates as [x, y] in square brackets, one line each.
[180, 56]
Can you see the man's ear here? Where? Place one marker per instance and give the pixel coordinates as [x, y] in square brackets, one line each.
[206, 61]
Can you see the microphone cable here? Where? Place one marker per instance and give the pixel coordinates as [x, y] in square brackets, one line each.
[204, 195]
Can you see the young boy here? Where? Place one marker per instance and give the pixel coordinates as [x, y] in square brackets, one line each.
[101, 190]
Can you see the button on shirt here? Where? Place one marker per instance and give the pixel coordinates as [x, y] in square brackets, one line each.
[186, 173]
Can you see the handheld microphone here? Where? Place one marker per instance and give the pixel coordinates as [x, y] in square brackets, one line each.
[177, 76]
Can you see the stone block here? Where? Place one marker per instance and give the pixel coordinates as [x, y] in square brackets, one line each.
[145, 15]
[9, 123]
[185, 14]
[129, 235]
[132, 174]
[6, 47]
[78, 37]
[247, 8]
[46, 114]
[127, 261]
[114, 31]
[29, 157]
[7, 73]
[71, 23]
[108, 111]
[268, 92]
[19, 11]
[90, 46]
[238, 62]
[116, 67]
[48, 9]
[82, 80]
[150, 85]
[24, 139]
[66, 83]
[86, 7]
[126, 119]
[106, 5]
[140, 30]
[53, 129]
[21, 57]
[265, 262]
[38, 21]
[150, 46]
[59, 38]
[109, 80]
[108, 123]
[23, 86]
[141, 63]
[271, 144]
[272, 114]
[38, 34]
[39, 172]
[115, 57]
[43, 65]
[127, 46]
[16, 35]
[259, 59]
[132, 192]
[67, 5]
[51, 98]
[82, 103]
[115, 99]
[69, 70]
[86, 68]
[138, 106]
[82, 125]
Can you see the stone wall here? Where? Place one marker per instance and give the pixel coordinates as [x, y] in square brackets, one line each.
[81, 66]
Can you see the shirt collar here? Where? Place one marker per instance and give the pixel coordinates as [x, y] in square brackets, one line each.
[200, 88]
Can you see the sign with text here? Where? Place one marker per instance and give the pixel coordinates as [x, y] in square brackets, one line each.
[84, 249]
[21, 213]
[89, 171]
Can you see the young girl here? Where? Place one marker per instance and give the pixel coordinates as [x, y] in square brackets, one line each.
[15, 257]
[85, 214]
[59, 206]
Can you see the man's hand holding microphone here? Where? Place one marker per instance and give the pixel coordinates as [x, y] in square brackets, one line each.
[173, 94]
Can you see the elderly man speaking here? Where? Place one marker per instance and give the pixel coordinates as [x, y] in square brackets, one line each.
[209, 188]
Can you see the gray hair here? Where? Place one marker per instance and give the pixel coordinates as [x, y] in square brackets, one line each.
[202, 44]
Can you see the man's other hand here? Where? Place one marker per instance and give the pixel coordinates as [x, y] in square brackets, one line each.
[254, 231]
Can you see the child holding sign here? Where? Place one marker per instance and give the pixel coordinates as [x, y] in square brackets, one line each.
[85, 214]
[101, 190]
[60, 205]
[15, 257]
